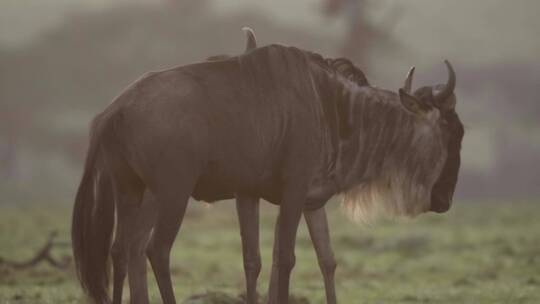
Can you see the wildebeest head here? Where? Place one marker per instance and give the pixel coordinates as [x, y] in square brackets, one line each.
[441, 100]
[403, 153]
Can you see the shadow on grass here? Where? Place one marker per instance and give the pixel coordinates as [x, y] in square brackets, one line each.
[223, 298]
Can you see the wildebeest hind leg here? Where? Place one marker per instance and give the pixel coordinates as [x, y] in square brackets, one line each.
[317, 223]
[143, 225]
[127, 202]
[138, 288]
[171, 192]
[247, 208]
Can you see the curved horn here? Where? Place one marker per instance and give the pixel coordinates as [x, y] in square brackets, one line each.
[450, 85]
[251, 40]
[407, 86]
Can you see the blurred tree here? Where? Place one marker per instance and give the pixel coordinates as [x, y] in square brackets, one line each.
[51, 88]
[363, 34]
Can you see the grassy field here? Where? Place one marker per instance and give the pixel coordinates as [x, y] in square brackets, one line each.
[477, 253]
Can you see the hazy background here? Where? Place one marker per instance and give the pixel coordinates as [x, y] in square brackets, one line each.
[62, 61]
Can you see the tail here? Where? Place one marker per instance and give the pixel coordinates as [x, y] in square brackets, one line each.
[93, 222]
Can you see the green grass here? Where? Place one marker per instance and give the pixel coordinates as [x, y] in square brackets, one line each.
[477, 253]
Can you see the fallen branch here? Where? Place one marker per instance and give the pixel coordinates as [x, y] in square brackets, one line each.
[43, 255]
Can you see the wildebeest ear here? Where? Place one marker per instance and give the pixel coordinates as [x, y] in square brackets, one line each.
[413, 104]
[251, 42]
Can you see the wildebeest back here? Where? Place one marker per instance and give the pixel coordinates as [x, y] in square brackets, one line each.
[240, 116]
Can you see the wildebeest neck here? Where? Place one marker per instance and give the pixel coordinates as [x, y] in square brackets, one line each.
[389, 164]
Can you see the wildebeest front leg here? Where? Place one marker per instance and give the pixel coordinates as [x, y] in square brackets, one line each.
[317, 223]
[247, 208]
[290, 213]
[272, 288]
[318, 229]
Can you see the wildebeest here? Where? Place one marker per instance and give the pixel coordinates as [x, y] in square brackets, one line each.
[278, 123]
[316, 219]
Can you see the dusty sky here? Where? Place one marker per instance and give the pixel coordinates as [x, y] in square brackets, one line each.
[472, 34]
[477, 31]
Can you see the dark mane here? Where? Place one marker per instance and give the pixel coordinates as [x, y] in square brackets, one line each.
[347, 69]
[218, 57]
[341, 66]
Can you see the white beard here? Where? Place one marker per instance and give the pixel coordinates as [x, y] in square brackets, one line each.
[388, 197]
